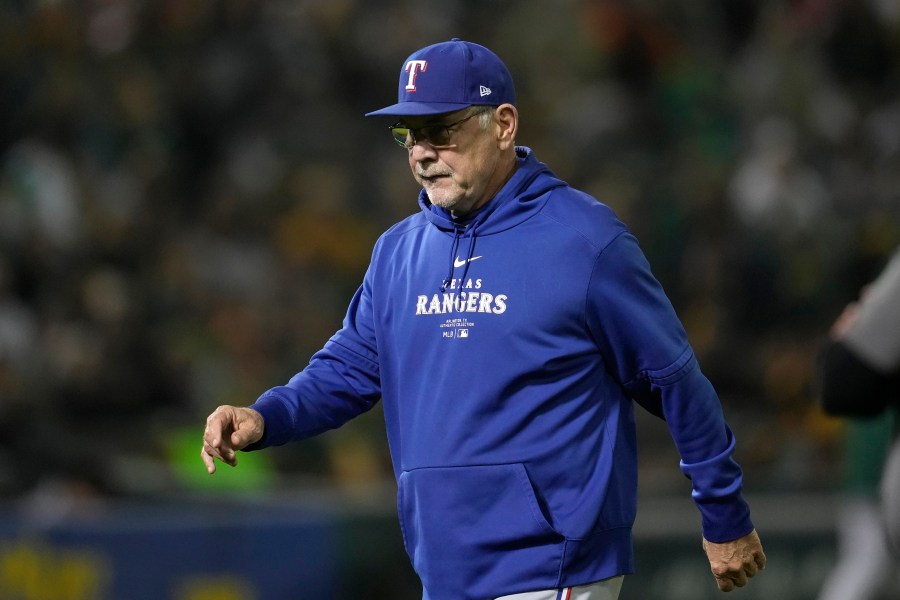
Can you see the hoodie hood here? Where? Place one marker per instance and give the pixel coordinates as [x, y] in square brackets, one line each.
[522, 197]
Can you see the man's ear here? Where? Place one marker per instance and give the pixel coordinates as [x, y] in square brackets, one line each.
[506, 122]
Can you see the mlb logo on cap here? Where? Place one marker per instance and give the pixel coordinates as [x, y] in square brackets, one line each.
[450, 76]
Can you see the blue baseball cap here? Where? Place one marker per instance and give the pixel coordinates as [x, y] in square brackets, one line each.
[450, 76]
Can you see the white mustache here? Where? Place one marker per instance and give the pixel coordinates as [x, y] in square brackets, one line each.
[426, 175]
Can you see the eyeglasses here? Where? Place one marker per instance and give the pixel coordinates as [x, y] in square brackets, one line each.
[437, 135]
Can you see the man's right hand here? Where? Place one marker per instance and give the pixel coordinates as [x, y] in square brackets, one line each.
[229, 429]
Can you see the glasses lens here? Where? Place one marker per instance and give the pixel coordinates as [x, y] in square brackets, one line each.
[437, 135]
[401, 136]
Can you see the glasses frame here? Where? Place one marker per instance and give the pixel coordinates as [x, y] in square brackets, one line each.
[410, 139]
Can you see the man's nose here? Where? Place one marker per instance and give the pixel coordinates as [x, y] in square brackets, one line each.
[422, 150]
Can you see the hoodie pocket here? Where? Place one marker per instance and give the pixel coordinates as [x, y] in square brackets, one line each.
[473, 530]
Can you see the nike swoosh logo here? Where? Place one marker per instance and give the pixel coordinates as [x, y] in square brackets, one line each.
[458, 263]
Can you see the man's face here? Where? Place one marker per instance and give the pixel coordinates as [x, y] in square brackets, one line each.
[461, 175]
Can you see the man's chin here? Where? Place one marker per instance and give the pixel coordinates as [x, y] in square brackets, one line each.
[442, 200]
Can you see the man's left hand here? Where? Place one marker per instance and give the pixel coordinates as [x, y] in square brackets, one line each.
[734, 563]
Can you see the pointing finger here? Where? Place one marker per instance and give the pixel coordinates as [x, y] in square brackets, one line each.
[208, 461]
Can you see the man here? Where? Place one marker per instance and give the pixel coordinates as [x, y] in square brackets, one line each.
[507, 328]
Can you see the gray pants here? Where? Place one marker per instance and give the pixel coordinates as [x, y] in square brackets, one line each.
[608, 589]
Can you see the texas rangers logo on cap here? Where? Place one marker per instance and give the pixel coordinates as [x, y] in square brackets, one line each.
[450, 76]
[413, 67]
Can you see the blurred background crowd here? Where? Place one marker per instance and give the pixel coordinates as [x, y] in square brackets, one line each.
[189, 194]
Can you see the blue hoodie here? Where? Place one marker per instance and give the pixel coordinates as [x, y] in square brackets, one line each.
[507, 353]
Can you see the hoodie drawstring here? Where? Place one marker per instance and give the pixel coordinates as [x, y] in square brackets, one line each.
[453, 248]
[471, 251]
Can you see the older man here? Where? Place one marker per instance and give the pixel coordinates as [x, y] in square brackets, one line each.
[508, 328]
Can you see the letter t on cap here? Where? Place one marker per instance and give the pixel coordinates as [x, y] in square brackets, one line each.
[413, 67]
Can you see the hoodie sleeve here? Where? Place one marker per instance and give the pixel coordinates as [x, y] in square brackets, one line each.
[341, 381]
[646, 349]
